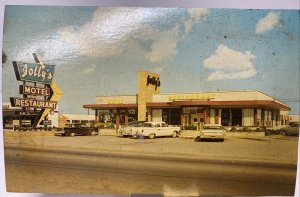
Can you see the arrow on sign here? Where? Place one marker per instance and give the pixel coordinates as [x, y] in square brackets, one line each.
[56, 93]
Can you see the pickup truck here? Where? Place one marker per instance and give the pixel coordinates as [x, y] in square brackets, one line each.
[156, 129]
[78, 129]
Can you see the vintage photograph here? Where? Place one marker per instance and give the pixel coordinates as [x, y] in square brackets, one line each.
[163, 101]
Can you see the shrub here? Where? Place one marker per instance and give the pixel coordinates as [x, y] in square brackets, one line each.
[234, 129]
[273, 132]
[189, 127]
[246, 129]
[110, 126]
[99, 125]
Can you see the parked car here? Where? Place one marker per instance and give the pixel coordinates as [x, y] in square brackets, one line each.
[130, 128]
[211, 132]
[292, 129]
[156, 129]
[78, 129]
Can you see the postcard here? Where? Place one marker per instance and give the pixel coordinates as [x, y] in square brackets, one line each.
[167, 101]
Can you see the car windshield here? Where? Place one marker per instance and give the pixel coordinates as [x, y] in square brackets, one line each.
[212, 127]
[147, 124]
[135, 124]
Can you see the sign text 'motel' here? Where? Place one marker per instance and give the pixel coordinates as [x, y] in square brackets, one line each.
[32, 103]
[29, 90]
[34, 72]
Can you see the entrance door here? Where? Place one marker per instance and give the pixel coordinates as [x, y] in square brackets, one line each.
[195, 119]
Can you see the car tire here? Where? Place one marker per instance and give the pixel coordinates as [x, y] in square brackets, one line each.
[72, 134]
[93, 133]
[151, 135]
[283, 133]
[174, 134]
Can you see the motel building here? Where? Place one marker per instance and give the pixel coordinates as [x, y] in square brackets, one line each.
[244, 108]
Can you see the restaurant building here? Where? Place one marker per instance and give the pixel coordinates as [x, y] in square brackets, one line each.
[240, 108]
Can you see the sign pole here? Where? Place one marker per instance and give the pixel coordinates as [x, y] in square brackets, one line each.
[36, 59]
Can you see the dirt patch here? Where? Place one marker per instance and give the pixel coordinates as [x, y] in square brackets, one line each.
[28, 133]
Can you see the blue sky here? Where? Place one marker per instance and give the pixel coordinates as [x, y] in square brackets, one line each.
[98, 51]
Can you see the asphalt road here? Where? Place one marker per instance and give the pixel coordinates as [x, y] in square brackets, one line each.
[180, 167]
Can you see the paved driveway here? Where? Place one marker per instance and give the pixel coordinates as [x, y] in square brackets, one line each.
[269, 148]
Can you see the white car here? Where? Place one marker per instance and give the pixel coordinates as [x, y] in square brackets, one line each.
[156, 129]
[130, 128]
[211, 132]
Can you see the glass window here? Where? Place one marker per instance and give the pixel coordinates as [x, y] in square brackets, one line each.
[258, 116]
[164, 125]
[157, 125]
[186, 119]
[212, 116]
[186, 110]
[193, 110]
[248, 117]
[200, 110]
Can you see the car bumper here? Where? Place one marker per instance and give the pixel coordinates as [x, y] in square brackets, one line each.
[138, 135]
[124, 133]
[59, 133]
[212, 136]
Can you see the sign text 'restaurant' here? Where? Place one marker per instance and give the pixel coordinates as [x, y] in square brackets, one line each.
[20, 102]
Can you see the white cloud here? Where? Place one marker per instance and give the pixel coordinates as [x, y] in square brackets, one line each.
[268, 23]
[188, 26]
[108, 30]
[220, 75]
[111, 28]
[49, 49]
[158, 69]
[198, 12]
[88, 71]
[195, 14]
[164, 46]
[230, 64]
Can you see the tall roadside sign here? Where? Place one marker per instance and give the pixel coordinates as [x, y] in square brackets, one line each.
[39, 90]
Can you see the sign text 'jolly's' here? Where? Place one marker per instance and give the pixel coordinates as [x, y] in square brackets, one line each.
[34, 72]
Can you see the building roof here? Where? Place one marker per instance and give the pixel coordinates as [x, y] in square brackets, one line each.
[215, 98]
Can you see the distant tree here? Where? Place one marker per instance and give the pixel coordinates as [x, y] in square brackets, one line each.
[4, 57]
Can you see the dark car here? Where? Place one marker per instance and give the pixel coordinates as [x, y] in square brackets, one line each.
[78, 129]
[292, 129]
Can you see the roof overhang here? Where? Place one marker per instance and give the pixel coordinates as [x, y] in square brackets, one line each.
[253, 103]
[109, 106]
[250, 103]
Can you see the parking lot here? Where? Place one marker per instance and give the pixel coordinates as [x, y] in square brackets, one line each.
[270, 148]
